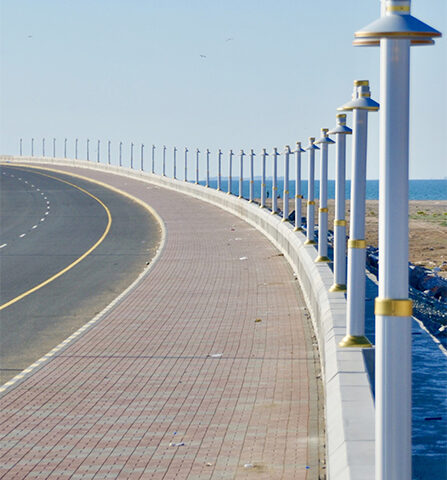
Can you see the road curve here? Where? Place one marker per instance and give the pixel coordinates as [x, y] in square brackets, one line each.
[68, 247]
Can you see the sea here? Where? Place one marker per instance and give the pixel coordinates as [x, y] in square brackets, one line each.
[418, 189]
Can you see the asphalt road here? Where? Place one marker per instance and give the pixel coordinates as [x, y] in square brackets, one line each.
[47, 226]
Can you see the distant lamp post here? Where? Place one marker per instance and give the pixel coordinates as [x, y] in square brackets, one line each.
[207, 168]
[340, 132]
[263, 180]
[275, 182]
[298, 194]
[65, 148]
[164, 160]
[108, 152]
[32, 147]
[98, 157]
[230, 171]
[20, 148]
[43, 147]
[88, 149]
[186, 164]
[76, 148]
[142, 158]
[131, 155]
[285, 208]
[121, 155]
[310, 233]
[241, 174]
[175, 163]
[54, 148]
[197, 165]
[219, 170]
[252, 176]
[153, 159]
[324, 141]
[395, 31]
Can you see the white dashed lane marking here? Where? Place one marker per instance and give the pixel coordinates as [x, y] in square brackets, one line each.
[44, 198]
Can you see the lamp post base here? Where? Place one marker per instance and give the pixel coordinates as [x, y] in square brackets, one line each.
[355, 341]
[323, 259]
[310, 242]
[297, 229]
[338, 287]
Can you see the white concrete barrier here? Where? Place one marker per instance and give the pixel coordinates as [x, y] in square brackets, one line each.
[349, 403]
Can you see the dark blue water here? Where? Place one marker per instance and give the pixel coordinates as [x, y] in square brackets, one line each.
[429, 399]
[419, 189]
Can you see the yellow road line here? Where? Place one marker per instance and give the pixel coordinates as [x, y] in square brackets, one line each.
[84, 255]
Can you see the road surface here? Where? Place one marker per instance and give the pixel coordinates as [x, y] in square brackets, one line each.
[68, 247]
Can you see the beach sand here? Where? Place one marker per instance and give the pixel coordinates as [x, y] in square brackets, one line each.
[427, 223]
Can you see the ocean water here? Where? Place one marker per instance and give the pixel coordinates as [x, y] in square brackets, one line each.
[429, 399]
[418, 189]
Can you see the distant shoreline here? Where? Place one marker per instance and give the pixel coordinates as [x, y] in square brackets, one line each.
[418, 189]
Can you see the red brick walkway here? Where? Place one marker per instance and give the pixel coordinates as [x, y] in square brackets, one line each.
[180, 360]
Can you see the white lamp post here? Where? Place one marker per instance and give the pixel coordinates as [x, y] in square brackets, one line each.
[310, 233]
[141, 158]
[164, 160]
[175, 163]
[207, 168]
[186, 164]
[21, 149]
[275, 182]
[121, 155]
[76, 148]
[219, 170]
[396, 30]
[252, 176]
[324, 141]
[340, 132]
[131, 155]
[32, 147]
[108, 151]
[97, 156]
[153, 159]
[197, 165]
[360, 104]
[88, 149]
[298, 194]
[285, 206]
[43, 147]
[263, 186]
[241, 174]
[230, 171]
[65, 148]
[54, 148]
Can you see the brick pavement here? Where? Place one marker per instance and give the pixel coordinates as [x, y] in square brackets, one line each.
[179, 360]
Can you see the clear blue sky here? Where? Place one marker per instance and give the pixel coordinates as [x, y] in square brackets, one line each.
[275, 71]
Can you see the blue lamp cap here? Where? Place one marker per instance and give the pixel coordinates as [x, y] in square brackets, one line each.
[324, 137]
[299, 148]
[311, 145]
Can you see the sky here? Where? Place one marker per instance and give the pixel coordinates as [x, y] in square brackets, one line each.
[236, 74]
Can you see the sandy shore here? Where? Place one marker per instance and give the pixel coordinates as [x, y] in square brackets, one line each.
[428, 229]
